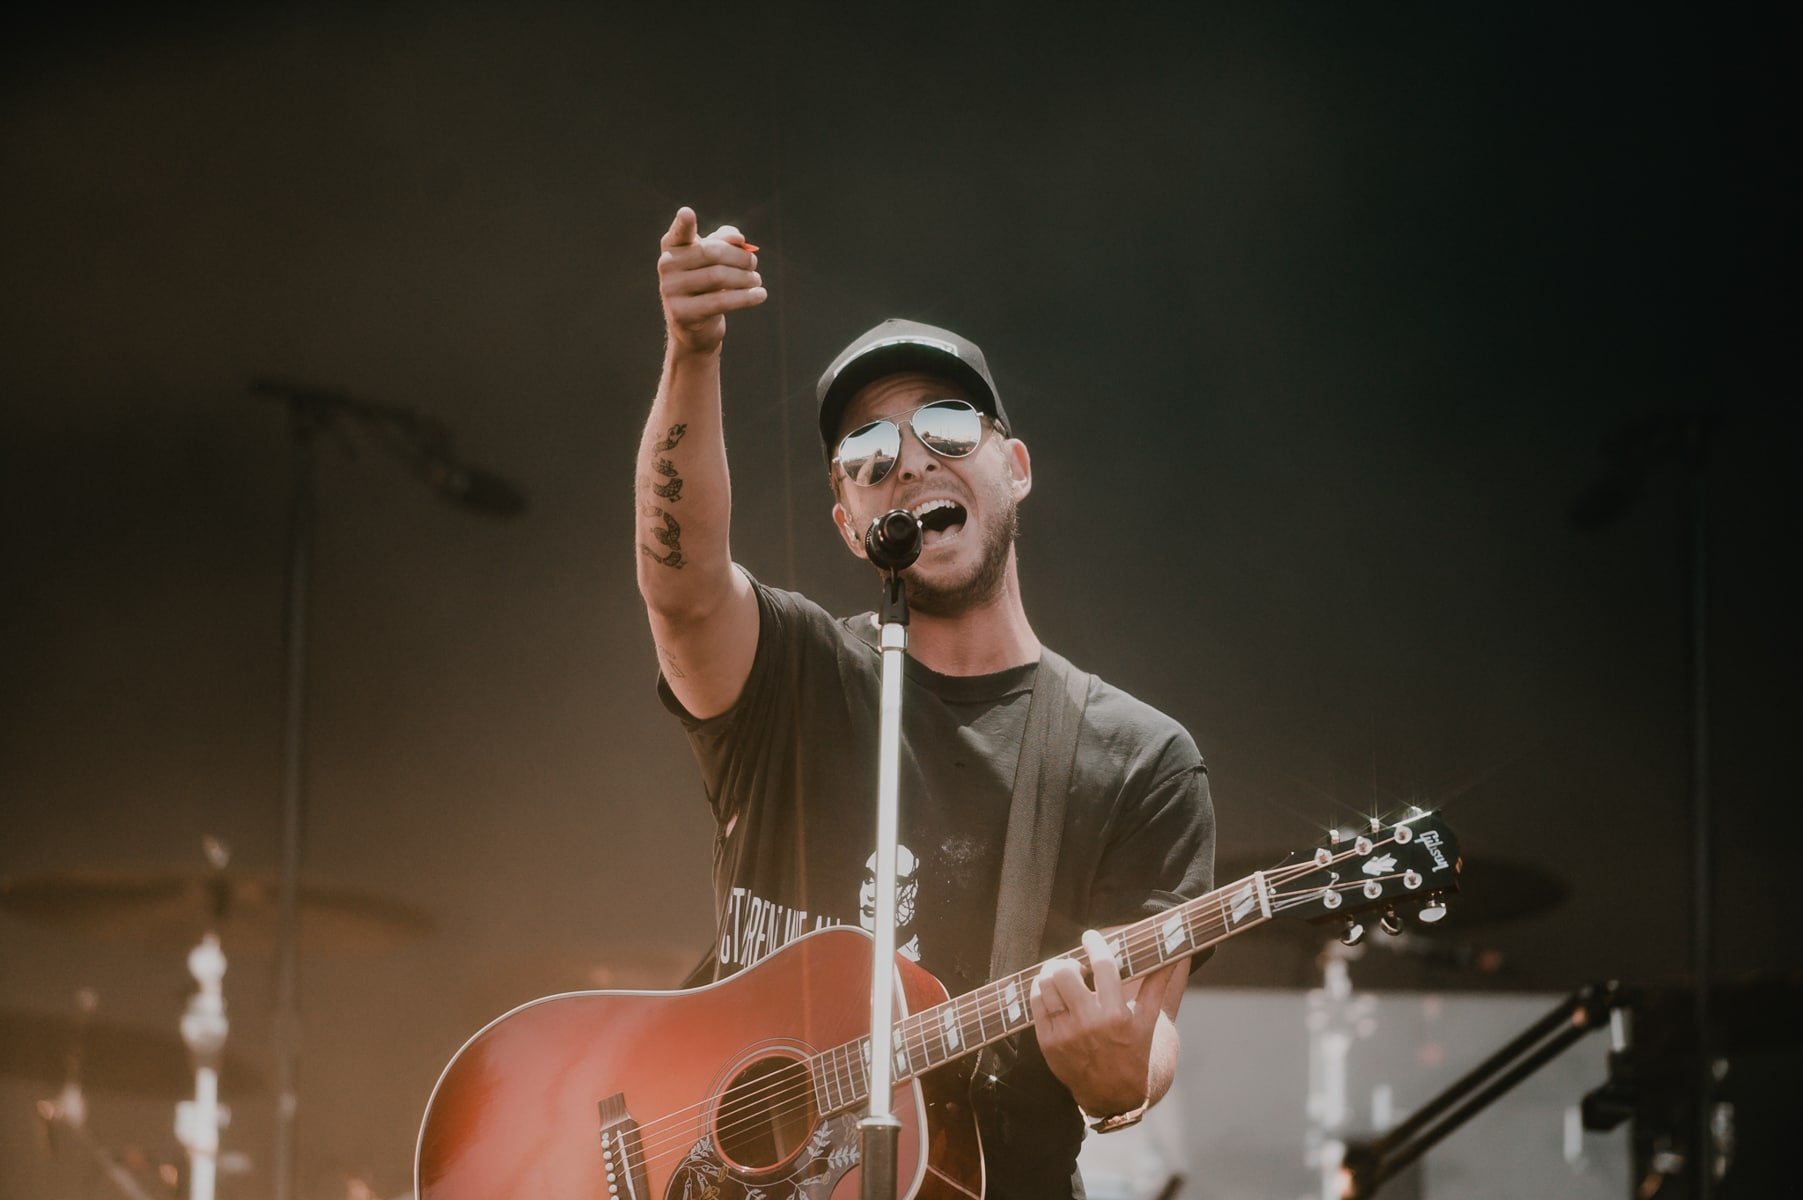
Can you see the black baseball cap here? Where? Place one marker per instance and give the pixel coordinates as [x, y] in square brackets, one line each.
[897, 345]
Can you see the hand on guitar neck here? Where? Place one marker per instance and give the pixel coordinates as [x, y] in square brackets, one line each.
[1113, 1044]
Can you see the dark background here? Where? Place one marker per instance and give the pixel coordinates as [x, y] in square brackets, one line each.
[1317, 319]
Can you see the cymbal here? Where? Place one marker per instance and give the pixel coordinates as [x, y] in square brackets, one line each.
[114, 1057]
[172, 907]
[1748, 1012]
[1491, 891]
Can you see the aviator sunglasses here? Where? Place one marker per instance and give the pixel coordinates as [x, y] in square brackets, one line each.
[949, 428]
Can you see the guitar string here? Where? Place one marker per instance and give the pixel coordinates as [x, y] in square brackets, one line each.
[991, 1002]
[795, 1096]
[986, 1004]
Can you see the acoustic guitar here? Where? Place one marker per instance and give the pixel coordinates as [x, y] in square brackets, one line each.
[752, 1088]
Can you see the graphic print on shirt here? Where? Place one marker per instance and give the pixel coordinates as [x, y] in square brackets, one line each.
[907, 897]
[754, 928]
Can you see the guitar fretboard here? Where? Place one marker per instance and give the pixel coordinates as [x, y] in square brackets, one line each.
[949, 1031]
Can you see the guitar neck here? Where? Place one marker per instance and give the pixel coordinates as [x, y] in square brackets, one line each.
[1415, 860]
[946, 1032]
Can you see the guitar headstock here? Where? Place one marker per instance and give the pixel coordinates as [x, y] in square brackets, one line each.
[1413, 863]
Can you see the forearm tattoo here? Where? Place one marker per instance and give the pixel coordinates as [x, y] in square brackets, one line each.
[670, 536]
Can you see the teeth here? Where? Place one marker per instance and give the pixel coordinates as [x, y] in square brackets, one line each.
[931, 506]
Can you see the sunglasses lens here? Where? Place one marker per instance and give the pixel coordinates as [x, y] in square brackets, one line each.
[949, 428]
[867, 454]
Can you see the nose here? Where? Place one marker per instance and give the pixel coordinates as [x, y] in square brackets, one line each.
[913, 460]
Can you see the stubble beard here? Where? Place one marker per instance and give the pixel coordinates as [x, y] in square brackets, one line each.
[952, 598]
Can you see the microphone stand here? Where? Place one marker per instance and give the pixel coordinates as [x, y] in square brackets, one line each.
[1366, 1165]
[1631, 454]
[425, 443]
[308, 415]
[893, 543]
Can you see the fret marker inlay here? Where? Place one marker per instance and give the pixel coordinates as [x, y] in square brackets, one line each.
[1173, 933]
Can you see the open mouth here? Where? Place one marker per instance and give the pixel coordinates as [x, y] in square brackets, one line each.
[939, 520]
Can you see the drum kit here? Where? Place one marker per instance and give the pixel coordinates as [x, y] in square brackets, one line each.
[209, 910]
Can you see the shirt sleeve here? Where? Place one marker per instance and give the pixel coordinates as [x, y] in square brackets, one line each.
[1160, 853]
[748, 748]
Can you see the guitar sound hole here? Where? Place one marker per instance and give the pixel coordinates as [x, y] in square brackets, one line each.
[766, 1114]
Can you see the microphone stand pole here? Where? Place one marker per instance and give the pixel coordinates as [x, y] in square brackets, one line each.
[880, 1131]
[1686, 436]
[1711, 1140]
[1366, 1165]
[307, 416]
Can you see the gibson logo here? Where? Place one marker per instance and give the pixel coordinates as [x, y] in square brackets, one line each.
[1431, 839]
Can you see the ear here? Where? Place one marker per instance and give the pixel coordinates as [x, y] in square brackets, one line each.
[1020, 468]
[848, 532]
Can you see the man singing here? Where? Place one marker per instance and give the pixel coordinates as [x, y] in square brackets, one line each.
[780, 703]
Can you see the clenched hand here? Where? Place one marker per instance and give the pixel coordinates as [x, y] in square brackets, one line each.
[702, 279]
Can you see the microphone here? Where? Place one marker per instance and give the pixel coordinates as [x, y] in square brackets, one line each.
[1629, 457]
[893, 540]
[424, 442]
[287, 389]
[1607, 497]
[473, 488]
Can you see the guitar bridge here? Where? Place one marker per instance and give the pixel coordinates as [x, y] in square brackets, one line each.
[621, 1153]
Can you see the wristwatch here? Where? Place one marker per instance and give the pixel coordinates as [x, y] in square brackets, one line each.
[1119, 1120]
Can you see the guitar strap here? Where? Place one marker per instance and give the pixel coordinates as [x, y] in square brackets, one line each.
[1042, 780]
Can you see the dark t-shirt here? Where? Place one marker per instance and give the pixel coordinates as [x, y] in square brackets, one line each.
[790, 771]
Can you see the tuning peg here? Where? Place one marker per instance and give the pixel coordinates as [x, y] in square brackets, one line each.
[1353, 934]
[1432, 911]
[1390, 922]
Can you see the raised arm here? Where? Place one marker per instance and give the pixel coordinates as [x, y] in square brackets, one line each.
[703, 614]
